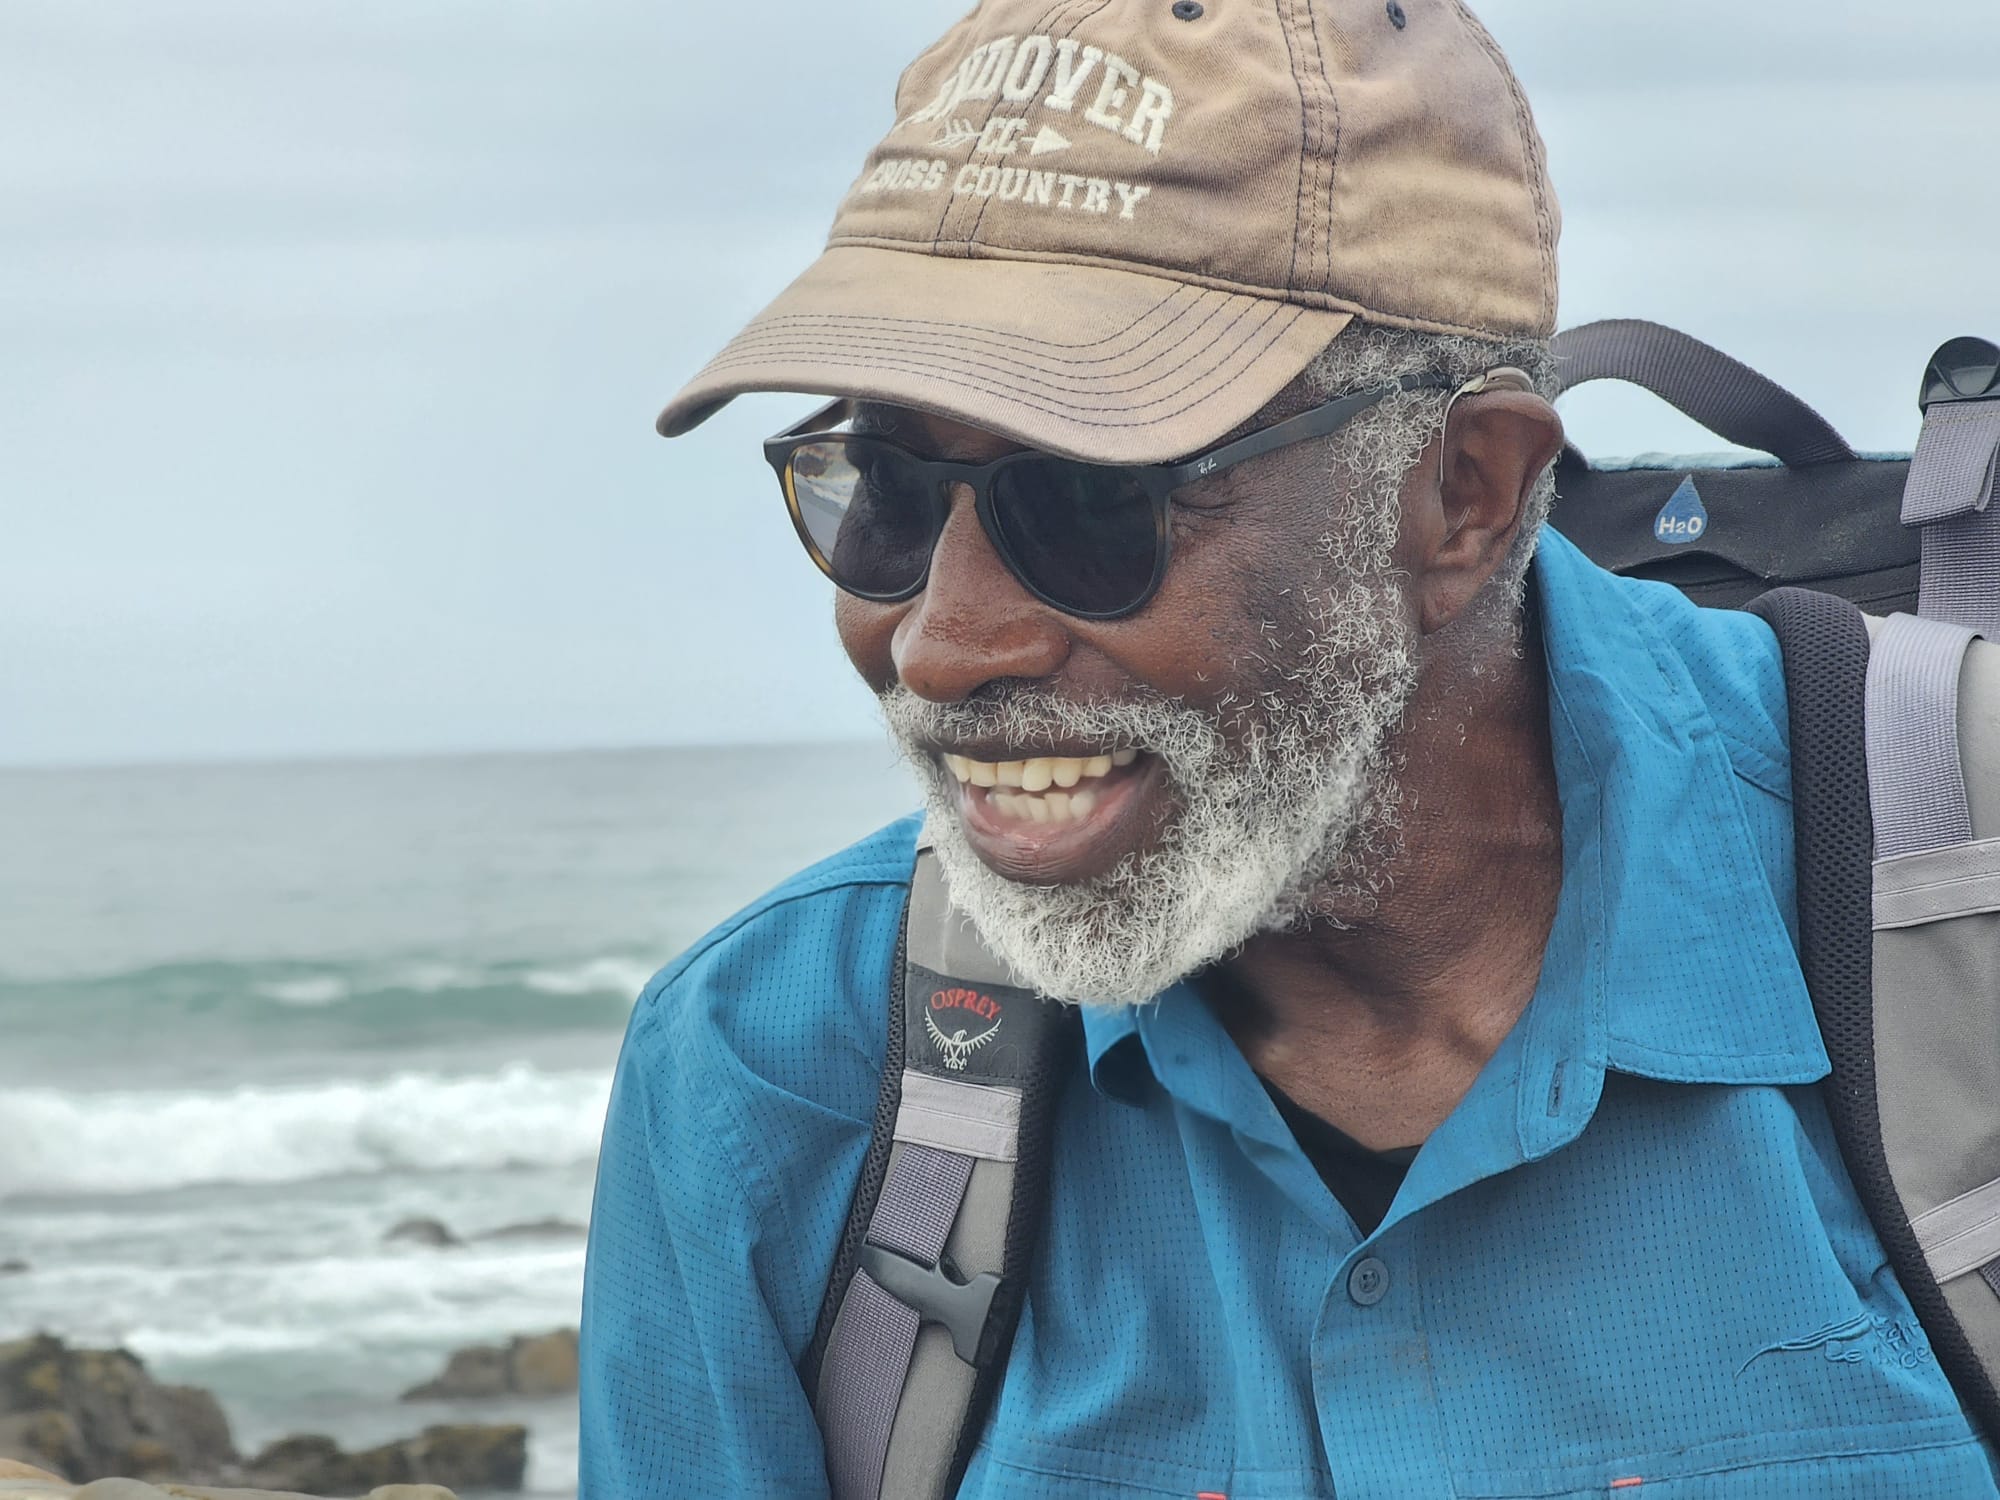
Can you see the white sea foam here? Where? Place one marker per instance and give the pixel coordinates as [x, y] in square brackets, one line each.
[308, 992]
[597, 976]
[606, 975]
[61, 1142]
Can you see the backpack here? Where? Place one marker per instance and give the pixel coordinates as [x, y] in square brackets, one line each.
[1895, 731]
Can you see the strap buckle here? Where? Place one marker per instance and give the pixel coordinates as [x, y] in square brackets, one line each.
[965, 1308]
[1963, 369]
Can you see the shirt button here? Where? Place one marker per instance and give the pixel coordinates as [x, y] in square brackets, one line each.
[1368, 1282]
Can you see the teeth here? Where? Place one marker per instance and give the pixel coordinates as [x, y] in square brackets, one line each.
[1021, 789]
[1039, 773]
[1051, 807]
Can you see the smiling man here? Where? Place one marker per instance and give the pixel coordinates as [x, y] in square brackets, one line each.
[1442, 1118]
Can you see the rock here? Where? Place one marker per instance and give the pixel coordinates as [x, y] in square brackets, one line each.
[545, 1365]
[96, 1414]
[296, 1455]
[14, 1268]
[19, 1482]
[529, 1365]
[473, 1374]
[432, 1232]
[469, 1456]
[535, 1229]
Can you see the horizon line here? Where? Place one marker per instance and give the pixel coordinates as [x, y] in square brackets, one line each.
[253, 759]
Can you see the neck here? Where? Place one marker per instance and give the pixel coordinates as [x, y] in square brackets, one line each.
[1377, 1013]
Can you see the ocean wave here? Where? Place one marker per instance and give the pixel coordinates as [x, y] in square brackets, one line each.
[68, 1143]
[614, 976]
[199, 1013]
[310, 991]
[598, 976]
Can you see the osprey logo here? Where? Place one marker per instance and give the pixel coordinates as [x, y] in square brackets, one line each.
[944, 1019]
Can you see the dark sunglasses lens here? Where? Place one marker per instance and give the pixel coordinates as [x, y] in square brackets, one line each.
[868, 512]
[1087, 537]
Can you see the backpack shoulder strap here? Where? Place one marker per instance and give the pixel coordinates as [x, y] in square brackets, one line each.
[932, 1269]
[1837, 714]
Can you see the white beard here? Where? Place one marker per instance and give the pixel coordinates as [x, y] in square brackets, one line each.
[1281, 796]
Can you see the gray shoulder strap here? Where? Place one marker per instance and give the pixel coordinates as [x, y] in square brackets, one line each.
[1934, 771]
[916, 1323]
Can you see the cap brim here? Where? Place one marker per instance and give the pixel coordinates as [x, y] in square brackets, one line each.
[1111, 366]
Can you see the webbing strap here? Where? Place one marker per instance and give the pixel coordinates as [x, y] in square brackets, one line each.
[1725, 395]
[871, 1349]
[913, 1216]
[868, 1359]
[1961, 1235]
[1915, 782]
[1951, 493]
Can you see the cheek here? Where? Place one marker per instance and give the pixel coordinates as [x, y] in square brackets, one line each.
[866, 633]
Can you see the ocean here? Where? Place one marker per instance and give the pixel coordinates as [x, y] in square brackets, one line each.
[253, 1016]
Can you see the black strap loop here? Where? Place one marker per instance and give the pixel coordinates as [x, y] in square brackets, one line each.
[1725, 395]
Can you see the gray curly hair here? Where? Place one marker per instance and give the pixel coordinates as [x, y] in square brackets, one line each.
[1372, 455]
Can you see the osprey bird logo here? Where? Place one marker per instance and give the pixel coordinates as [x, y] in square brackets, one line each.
[955, 1047]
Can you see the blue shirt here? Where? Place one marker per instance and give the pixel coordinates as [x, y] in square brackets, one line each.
[1630, 1259]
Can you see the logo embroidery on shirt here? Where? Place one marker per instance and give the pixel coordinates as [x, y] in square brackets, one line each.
[1864, 1336]
[958, 1044]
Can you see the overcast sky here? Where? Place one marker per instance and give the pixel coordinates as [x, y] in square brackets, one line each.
[331, 331]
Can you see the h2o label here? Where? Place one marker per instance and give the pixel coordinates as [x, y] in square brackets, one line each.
[1683, 518]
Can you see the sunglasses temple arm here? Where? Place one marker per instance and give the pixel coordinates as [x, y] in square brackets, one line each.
[1318, 422]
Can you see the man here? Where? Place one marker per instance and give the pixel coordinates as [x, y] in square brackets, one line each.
[1443, 1122]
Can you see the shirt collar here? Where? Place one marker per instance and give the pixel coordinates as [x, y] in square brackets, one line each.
[1670, 958]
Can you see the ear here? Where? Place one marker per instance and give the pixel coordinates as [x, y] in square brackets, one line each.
[1463, 502]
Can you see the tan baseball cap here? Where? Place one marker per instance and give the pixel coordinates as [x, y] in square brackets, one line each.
[1114, 229]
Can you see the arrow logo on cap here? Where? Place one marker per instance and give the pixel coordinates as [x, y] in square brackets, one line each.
[1048, 139]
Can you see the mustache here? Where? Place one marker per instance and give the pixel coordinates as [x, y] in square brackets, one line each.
[1032, 717]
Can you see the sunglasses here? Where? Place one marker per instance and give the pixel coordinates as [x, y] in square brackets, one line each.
[1088, 539]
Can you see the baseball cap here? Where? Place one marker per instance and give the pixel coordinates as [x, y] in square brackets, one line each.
[1115, 229]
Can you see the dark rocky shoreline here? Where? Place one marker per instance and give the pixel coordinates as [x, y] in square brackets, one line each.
[89, 1414]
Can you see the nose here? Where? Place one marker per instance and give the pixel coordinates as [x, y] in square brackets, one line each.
[973, 623]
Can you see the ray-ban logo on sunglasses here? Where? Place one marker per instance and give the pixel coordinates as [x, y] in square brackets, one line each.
[1204, 466]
